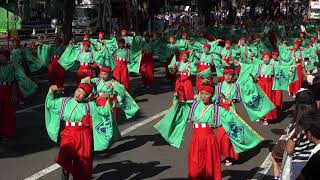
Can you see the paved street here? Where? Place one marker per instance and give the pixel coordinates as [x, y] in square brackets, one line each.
[141, 153]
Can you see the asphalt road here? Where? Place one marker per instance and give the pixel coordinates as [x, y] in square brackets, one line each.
[140, 154]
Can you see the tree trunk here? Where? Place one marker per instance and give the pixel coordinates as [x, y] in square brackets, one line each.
[252, 12]
[68, 11]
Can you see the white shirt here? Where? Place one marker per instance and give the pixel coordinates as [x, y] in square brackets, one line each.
[303, 29]
[315, 150]
[310, 79]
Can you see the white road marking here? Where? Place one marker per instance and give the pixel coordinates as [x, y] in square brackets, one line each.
[29, 108]
[266, 165]
[124, 132]
[43, 172]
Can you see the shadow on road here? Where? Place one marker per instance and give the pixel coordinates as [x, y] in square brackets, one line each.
[240, 175]
[246, 156]
[31, 138]
[133, 142]
[128, 169]
[161, 86]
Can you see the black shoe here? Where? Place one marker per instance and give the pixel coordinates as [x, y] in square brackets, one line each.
[64, 175]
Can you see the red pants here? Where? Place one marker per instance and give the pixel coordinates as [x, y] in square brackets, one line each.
[225, 145]
[184, 88]
[121, 74]
[147, 69]
[295, 87]
[56, 72]
[198, 79]
[266, 85]
[102, 102]
[278, 98]
[7, 112]
[75, 155]
[83, 72]
[169, 76]
[204, 157]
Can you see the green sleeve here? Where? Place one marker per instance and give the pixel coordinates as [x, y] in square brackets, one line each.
[33, 63]
[126, 102]
[193, 69]
[112, 44]
[52, 116]
[105, 131]
[173, 61]
[69, 56]
[26, 85]
[44, 53]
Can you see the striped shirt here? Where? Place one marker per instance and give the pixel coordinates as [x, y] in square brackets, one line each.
[303, 146]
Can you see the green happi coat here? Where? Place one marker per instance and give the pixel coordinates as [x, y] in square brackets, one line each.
[112, 44]
[74, 53]
[183, 67]
[105, 52]
[223, 53]
[12, 72]
[21, 55]
[102, 118]
[206, 58]
[256, 103]
[258, 48]
[126, 102]
[165, 50]
[173, 124]
[242, 136]
[47, 51]
[128, 40]
[246, 54]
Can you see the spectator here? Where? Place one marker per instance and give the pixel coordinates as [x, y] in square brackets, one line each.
[311, 126]
[298, 145]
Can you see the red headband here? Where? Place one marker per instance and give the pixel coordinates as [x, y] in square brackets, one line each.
[275, 53]
[207, 46]
[207, 88]
[106, 69]
[185, 52]
[172, 37]
[146, 34]
[184, 34]
[228, 41]
[101, 33]
[86, 36]
[243, 38]
[85, 87]
[86, 43]
[266, 54]
[228, 71]
[124, 30]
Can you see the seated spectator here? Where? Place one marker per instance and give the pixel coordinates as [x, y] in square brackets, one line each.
[311, 126]
[298, 145]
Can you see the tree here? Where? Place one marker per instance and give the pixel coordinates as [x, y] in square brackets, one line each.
[69, 7]
[205, 7]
